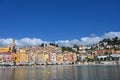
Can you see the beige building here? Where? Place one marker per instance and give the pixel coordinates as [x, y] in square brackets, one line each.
[59, 58]
[101, 52]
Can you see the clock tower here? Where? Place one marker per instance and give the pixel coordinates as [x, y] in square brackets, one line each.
[13, 46]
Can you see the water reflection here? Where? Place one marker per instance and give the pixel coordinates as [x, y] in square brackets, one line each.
[61, 73]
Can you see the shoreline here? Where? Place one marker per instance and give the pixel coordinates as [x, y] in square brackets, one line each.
[58, 65]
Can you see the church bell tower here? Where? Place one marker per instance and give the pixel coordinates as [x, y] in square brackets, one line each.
[13, 46]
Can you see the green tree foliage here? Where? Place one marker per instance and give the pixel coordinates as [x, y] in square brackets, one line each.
[76, 46]
[53, 44]
[113, 41]
[67, 49]
[42, 45]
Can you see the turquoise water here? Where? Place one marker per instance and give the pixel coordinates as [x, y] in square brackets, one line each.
[61, 72]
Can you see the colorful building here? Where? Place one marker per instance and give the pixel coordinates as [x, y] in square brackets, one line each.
[52, 57]
[5, 49]
[46, 57]
[59, 58]
[69, 57]
[21, 58]
[40, 58]
[102, 52]
[8, 49]
[24, 57]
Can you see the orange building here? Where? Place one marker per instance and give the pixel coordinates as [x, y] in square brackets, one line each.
[17, 58]
[59, 58]
[24, 57]
[5, 49]
[69, 57]
[101, 52]
[8, 49]
[21, 58]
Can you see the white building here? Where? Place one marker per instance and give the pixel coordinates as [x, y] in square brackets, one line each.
[53, 57]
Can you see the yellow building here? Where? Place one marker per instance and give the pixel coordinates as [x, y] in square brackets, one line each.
[1, 58]
[5, 49]
[21, 58]
[43, 57]
[46, 57]
[17, 58]
[8, 49]
[24, 57]
[59, 57]
[22, 50]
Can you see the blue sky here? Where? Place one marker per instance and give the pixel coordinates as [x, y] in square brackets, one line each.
[54, 20]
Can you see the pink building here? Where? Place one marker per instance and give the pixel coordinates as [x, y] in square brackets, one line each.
[69, 57]
[7, 57]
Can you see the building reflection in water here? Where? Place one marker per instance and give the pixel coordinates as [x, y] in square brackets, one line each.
[61, 72]
[6, 75]
[38, 73]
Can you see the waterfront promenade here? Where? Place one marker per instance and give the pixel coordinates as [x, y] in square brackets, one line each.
[107, 63]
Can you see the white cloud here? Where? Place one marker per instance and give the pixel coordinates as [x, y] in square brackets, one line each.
[68, 42]
[112, 35]
[82, 41]
[90, 40]
[22, 42]
[93, 39]
[29, 41]
[5, 42]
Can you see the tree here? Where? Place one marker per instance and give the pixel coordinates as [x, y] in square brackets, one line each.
[116, 41]
[56, 45]
[106, 53]
[42, 45]
[53, 44]
[104, 40]
[67, 49]
[113, 41]
[76, 46]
